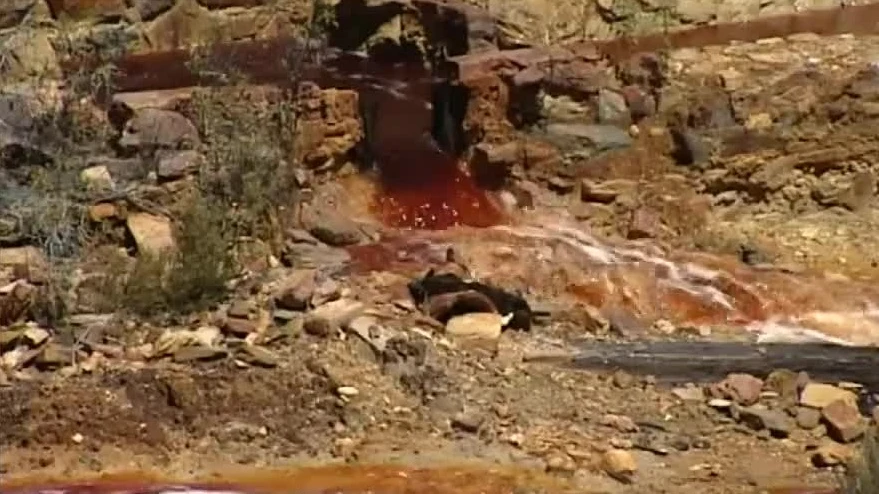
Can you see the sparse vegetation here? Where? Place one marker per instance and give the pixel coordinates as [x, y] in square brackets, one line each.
[246, 187]
[862, 476]
[190, 278]
[248, 171]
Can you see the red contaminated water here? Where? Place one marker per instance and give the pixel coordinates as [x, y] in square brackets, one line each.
[379, 479]
[431, 193]
[422, 186]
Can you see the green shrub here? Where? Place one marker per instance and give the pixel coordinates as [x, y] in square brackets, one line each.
[192, 277]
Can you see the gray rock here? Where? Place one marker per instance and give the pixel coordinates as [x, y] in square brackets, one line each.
[54, 355]
[600, 137]
[758, 417]
[29, 54]
[295, 291]
[18, 114]
[241, 309]
[121, 169]
[808, 418]
[174, 165]
[154, 128]
[612, 108]
[331, 227]
[690, 147]
[198, 353]
[259, 356]
[468, 421]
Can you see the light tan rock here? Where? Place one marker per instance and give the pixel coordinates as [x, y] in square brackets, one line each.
[482, 325]
[151, 233]
[30, 54]
[819, 395]
[97, 178]
[619, 464]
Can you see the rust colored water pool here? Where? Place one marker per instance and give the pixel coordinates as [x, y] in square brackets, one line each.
[323, 480]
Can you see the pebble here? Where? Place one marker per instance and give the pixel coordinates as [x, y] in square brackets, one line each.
[830, 454]
[808, 418]
[620, 464]
[719, 403]
[469, 421]
[689, 393]
[347, 391]
[560, 463]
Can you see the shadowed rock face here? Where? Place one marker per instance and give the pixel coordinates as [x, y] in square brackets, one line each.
[422, 184]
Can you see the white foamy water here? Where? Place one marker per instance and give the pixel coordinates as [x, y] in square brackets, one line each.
[846, 326]
[693, 279]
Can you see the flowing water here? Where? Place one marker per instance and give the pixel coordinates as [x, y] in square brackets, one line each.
[550, 257]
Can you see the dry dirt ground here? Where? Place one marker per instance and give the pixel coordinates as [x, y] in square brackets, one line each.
[457, 408]
[425, 400]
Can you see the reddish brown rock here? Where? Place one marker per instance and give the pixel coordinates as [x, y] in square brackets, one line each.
[744, 389]
[329, 127]
[844, 422]
[103, 211]
[295, 291]
[645, 223]
[442, 307]
[491, 164]
[239, 327]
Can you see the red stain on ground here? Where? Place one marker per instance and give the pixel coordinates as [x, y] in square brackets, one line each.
[395, 254]
[337, 479]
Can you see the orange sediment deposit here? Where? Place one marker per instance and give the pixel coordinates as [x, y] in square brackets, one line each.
[397, 253]
[385, 479]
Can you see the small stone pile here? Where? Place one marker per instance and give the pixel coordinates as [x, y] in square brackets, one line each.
[788, 401]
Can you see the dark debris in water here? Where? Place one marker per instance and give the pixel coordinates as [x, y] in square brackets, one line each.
[433, 285]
